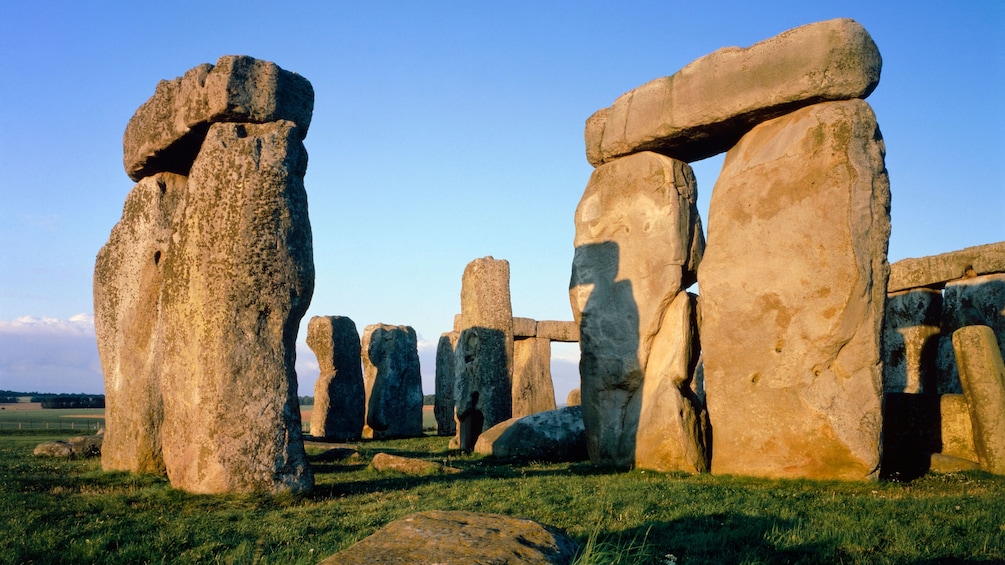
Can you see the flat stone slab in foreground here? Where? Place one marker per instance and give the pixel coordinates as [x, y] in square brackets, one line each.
[460, 538]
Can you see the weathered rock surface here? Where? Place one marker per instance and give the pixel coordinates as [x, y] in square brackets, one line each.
[446, 375]
[165, 133]
[972, 301]
[128, 277]
[982, 375]
[957, 432]
[72, 448]
[554, 330]
[339, 396]
[533, 390]
[484, 354]
[524, 327]
[409, 465]
[937, 270]
[911, 340]
[638, 241]
[704, 108]
[393, 382]
[574, 398]
[793, 285]
[236, 282]
[460, 538]
[673, 424]
[555, 435]
[942, 463]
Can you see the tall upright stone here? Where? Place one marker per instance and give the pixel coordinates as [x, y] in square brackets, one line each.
[793, 286]
[393, 382]
[982, 375]
[446, 375]
[237, 282]
[533, 389]
[339, 396]
[128, 276]
[484, 353]
[638, 242]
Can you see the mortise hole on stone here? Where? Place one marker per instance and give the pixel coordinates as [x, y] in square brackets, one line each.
[755, 377]
[157, 257]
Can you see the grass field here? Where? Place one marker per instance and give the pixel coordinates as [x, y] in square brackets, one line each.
[71, 512]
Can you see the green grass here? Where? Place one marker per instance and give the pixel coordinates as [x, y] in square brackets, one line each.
[72, 512]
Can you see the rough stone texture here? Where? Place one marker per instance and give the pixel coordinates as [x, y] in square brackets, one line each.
[567, 332]
[524, 327]
[704, 108]
[793, 286]
[393, 382]
[339, 396]
[638, 241]
[409, 466]
[533, 390]
[982, 375]
[942, 463]
[236, 281]
[484, 355]
[972, 301]
[446, 375]
[165, 133]
[937, 270]
[911, 340]
[957, 432]
[80, 446]
[574, 398]
[128, 277]
[460, 538]
[673, 424]
[555, 435]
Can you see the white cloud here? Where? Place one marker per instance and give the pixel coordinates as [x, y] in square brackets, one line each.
[80, 324]
[50, 355]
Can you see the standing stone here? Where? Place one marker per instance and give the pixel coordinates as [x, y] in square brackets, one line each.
[573, 398]
[339, 395]
[982, 375]
[638, 241]
[704, 108]
[236, 283]
[446, 374]
[128, 276]
[911, 340]
[484, 355]
[393, 382]
[533, 390]
[793, 288]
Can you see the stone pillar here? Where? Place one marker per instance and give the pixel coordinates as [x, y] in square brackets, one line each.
[339, 395]
[446, 374]
[533, 390]
[484, 354]
[393, 382]
[793, 286]
[982, 375]
[638, 241]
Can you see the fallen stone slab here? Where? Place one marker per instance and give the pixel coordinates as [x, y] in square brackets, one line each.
[81, 446]
[937, 270]
[165, 133]
[410, 466]
[460, 538]
[555, 435]
[942, 463]
[704, 108]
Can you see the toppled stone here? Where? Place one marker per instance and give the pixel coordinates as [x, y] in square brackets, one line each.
[484, 353]
[128, 278]
[410, 466]
[339, 396]
[911, 340]
[982, 375]
[555, 435]
[942, 463]
[704, 108]
[446, 376]
[460, 538]
[638, 242]
[72, 448]
[936, 270]
[165, 133]
[393, 382]
[793, 287]
[533, 390]
[567, 332]
[237, 279]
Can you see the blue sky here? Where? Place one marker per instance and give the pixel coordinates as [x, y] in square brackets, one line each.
[442, 132]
